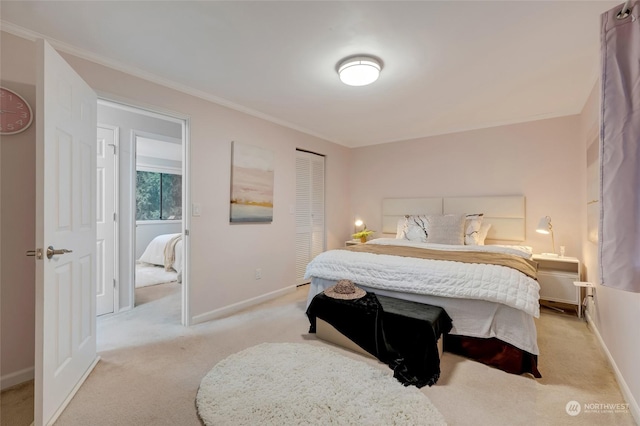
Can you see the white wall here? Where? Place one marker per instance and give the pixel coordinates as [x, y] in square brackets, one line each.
[223, 256]
[540, 160]
[616, 313]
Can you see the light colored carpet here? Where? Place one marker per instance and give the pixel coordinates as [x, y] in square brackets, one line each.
[147, 274]
[152, 366]
[16, 405]
[300, 384]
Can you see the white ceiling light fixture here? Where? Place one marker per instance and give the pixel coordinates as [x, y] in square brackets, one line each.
[359, 70]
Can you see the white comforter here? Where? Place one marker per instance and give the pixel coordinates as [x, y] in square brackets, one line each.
[154, 253]
[492, 283]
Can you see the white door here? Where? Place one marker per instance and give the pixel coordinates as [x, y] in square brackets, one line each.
[105, 217]
[309, 210]
[65, 219]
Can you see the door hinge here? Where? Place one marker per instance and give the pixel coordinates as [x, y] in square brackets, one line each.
[186, 232]
[115, 216]
[114, 283]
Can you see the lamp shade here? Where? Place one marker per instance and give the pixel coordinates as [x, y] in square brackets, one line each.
[544, 226]
[359, 71]
[358, 222]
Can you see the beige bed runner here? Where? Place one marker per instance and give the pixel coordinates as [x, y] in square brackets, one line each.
[526, 266]
[170, 252]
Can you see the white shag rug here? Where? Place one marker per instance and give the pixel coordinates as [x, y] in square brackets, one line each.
[148, 274]
[302, 384]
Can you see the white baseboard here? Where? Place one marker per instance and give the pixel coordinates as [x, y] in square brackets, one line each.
[230, 309]
[16, 378]
[626, 392]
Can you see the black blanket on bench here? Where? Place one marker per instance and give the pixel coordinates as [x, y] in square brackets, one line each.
[400, 333]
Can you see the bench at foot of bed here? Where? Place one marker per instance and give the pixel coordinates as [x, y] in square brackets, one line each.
[400, 333]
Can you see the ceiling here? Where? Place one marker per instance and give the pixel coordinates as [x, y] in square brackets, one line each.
[448, 66]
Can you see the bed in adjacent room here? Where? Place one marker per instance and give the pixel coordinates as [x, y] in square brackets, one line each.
[489, 291]
[161, 261]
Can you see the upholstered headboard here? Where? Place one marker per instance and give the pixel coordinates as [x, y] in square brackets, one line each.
[506, 214]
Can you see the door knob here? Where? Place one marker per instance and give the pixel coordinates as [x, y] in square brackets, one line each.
[52, 252]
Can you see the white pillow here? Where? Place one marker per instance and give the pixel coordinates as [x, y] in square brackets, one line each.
[400, 228]
[447, 229]
[472, 226]
[482, 233]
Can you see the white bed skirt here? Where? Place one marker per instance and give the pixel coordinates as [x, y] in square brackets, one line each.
[473, 318]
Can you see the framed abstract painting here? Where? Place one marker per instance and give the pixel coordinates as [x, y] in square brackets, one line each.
[251, 184]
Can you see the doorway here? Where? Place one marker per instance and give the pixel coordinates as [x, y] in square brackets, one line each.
[150, 149]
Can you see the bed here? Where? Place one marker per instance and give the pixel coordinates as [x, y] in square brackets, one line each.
[492, 305]
[166, 251]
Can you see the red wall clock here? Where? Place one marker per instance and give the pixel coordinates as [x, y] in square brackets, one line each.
[15, 113]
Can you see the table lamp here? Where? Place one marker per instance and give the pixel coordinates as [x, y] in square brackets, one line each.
[545, 227]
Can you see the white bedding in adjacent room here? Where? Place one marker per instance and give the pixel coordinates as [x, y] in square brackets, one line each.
[155, 252]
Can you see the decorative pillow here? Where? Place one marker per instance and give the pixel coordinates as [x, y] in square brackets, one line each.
[471, 228]
[482, 233]
[447, 229]
[400, 228]
[416, 228]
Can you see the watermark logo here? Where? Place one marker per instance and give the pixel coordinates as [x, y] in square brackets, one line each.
[573, 408]
[609, 408]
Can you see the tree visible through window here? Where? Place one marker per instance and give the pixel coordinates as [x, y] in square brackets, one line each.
[158, 196]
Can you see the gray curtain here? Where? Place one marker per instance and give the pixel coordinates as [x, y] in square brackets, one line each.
[619, 234]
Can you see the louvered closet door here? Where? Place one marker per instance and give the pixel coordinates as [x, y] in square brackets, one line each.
[309, 210]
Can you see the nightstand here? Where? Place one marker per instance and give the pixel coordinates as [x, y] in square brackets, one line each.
[353, 242]
[556, 276]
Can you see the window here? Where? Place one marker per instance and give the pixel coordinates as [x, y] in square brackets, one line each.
[158, 196]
